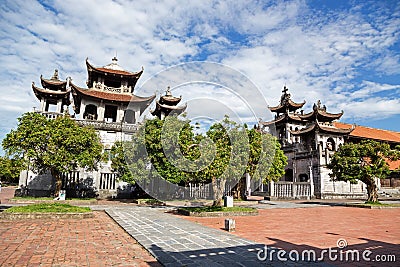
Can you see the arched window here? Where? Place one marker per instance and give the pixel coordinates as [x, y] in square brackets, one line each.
[330, 144]
[110, 113]
[90, 112]
[129, 116]
[289, 175]
[303, 177]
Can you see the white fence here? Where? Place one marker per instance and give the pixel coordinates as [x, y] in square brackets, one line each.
[290, 190]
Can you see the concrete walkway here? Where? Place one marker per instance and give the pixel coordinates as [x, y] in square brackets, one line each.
[177, 242]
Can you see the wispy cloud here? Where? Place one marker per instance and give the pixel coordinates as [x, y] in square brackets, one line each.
[346, 55]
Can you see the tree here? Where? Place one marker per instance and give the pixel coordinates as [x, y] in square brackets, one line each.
[160, 149]
[266, 162]
[229, 156]
[118, 162]
[10, 169]
[364, 161]
[58, 145]
[180, 156]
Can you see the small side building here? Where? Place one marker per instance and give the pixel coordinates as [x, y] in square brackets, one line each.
[309, 140]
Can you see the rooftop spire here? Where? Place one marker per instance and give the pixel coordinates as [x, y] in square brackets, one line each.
[168, 92]
[55, 75]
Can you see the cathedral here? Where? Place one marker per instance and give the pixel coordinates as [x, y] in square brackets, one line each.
[309, 140]
[109, 105]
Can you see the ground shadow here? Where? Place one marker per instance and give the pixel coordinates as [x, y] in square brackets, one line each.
[281, 253]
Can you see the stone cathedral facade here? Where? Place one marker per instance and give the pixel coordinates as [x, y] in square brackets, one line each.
[309, 140]
[109, 105]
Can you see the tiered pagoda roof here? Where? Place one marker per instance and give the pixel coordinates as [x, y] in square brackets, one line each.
[286, 105]
[53, 83]
[320, 114]
[112, 71]
[78, 93]
[323, 128]
[167, 104]
[53, 89]
[286, 117]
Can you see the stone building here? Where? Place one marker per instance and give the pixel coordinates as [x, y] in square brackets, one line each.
[168, 104]
[309, 140]
[108, 104]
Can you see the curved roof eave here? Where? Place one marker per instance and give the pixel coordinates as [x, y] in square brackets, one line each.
[124, 98]
[103, 70]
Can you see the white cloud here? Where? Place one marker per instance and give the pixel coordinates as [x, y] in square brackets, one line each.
[318, 53]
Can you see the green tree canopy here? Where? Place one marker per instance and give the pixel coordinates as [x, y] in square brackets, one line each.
[10, 169]
[364, 161]
[58, 145]
[178, 155]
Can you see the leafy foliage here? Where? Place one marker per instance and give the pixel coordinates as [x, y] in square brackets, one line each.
[180, 156]
[267, 160]
[10, 169]
[363, 162]
[58, 145]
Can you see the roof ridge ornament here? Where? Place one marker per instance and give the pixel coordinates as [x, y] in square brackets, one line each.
[55, 75]
[168, 92]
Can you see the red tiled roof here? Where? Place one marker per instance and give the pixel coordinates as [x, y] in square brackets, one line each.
[112, 96]
[90, 67]
[393, 165]
[371, 133]
[123, 72]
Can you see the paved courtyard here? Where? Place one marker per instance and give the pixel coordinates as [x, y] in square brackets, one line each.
[174, 240]
[320, 228]
[90, 242]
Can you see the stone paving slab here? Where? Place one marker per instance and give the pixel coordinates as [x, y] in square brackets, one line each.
[177, 242]
[322, 227]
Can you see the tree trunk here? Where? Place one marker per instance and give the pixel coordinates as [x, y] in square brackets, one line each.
[218, 188]
[372, 190]
[241, 189]
[56, 175]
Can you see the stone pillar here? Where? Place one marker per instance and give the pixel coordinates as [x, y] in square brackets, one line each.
[59, 106]
[272, 188]
[311, 182]
[137, 116]
[100, 112]
[294, 190]
[82, 109]
[42, 105]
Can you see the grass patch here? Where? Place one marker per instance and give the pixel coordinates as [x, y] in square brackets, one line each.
[50, 198]
[48, 207]
[376, 203]
[218, 209]
[33, 198]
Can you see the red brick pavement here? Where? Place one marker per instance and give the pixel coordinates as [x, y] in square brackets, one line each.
[6, 193]
[320, 228]
[98, 241]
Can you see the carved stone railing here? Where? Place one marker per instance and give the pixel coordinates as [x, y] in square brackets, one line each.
[50, 115]
[122, 89]
[112, 89]
[109, 126]
[290, 190]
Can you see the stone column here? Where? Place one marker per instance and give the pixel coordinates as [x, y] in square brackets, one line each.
[100, 112]
[59, 106]
[82, 109]
[311, 182]
[272, 188]
[42, 105]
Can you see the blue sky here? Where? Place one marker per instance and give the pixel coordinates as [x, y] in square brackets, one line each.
[345, 53]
